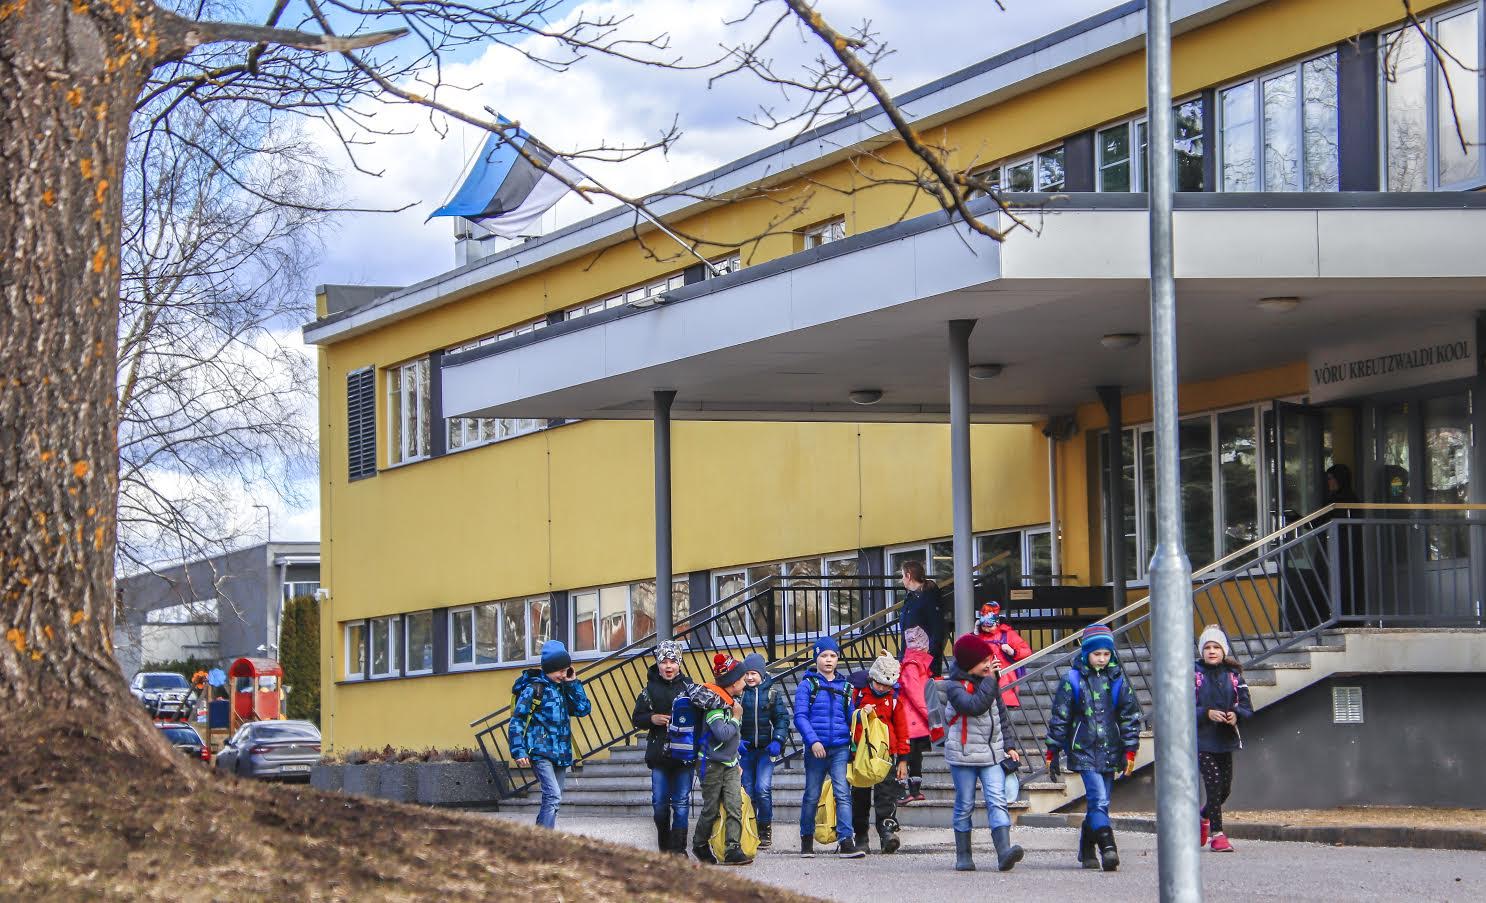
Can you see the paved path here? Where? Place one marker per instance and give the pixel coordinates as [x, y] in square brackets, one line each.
[923, 869]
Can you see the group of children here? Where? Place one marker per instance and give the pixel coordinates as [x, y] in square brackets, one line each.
[743, 724]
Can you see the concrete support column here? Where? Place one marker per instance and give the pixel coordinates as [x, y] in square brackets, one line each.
[1114, 514]
[663, 607]
[1055, 545]
[959, 467]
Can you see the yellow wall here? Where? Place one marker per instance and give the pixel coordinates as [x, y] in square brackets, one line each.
[570, 507]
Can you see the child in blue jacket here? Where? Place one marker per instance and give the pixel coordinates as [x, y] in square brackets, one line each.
[1096, 723]
[765, 729]
[823, 718]
[540, 734]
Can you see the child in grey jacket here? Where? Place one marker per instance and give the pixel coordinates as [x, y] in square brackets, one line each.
[978, 745]
[722, 784]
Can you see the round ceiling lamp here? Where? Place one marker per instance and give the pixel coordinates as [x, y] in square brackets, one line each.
[986, 371]
[866, 396]
[1120, 340]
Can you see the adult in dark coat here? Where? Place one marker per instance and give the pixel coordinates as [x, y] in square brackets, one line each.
[923, 607]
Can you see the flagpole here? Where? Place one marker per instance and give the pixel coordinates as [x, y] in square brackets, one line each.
[711, 267]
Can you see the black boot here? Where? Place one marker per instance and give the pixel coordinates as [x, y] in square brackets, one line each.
[860, 840]
[887, 835]
[735, 856]
[848, 849]
[1087, 856]
[678, 842]
[1109, 855]
[963, 860]
[663, 832]
[1008, 854]
[807, 846]
[703, 851]
[765, 836]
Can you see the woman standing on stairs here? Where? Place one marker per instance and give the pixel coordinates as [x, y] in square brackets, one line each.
[670, 780]
[1222, 702]
[922, 607]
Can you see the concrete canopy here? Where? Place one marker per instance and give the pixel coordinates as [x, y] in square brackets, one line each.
[790, 339]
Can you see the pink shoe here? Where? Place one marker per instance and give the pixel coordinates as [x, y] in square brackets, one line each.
[1221, 844]
[1206, 829]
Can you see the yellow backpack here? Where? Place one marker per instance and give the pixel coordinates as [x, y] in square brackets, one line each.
[749, 844]
[825, 815]
[872, 760]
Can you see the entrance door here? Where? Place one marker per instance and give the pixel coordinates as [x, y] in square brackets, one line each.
[1296, 438]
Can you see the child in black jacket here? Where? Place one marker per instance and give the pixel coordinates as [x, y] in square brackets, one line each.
[670, 781]
[1222, 702]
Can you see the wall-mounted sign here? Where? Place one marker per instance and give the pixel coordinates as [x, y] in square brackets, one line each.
[1397, 362]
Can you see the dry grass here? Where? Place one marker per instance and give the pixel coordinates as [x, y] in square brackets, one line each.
[80, 822]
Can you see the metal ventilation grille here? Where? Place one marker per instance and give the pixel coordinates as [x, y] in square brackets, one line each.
[1346, 705]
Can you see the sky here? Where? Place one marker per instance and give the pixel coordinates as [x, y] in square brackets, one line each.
[606, 101]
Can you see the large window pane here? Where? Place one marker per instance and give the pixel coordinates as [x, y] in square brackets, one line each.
[1189, 140]
[585, 621]
[379, 646]
[613, 618]
[1050, 170]
[1457, 71]
[462, 637]
[1114, 159]
[1009, 544]
[356, 649]
[1020, 177]
[1195, 436]
[1239, 170]
[1040, 549]
[1318, 81]
[755, 574]
[1238, 470]
[844, 600]
[680, 601]
[642, 603]
[1281, 139]
[942, 559]
[394, 643]
[1148, 497]
[1406, 121]
[539, 629]
[420, 641]
[487, 634]
[513, 630]
[804, 596]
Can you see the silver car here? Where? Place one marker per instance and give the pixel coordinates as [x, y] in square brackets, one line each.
[281, 750]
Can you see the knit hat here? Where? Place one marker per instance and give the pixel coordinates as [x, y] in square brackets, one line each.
[917, 638]
[753, 662]
[971, 650]
[555, 657]
[1212, 633]
[990, 616]
[668, 651]
[825, 644]
[884, 670]
[1097, 636]
[725, 669]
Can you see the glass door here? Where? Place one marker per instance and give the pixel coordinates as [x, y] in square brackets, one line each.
[1296, 438]
[1446, 479]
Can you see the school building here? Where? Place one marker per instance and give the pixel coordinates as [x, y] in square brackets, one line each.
[502, 444]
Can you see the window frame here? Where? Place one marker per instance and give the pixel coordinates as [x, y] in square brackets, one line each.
[823, 233]
[346, 630]
[1431, 65]
[1294, 67]
[531, 650]
[1133, 126]
[455, 665]
[1000, 171]
[407, 639]
[472, 432]
[398, 444]
[393, 641]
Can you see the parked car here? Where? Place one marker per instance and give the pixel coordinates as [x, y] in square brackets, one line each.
[167, 696]
[282, 750]
[184, 738]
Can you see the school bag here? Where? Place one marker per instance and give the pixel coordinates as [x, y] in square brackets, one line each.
[871, 761]
[684, 733]
[825, 816]
[749, 840]
[936, 702]
[1076, 682]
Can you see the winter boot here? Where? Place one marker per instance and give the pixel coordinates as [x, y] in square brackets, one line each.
[963, 860]
[807, 846]
[860, 840]
[887, 835]
[1008, 854]
[736, 856]
[1088, 857]
[678, 842]
[1207, 828]
[915, 790]
[848, 849]
[663, 832]
[704, 853]
[1109, 855]
[765, 836]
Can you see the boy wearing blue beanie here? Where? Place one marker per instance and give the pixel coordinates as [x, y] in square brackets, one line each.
[540, 733]
[823, 718]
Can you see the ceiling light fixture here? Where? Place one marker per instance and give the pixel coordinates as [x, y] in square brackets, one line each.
[986, 371]
[1279, 305]
[648, 301]
[1120, 340]
[866, 396]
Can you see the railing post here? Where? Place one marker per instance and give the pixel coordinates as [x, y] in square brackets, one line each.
[1334, 569]
[770, 627]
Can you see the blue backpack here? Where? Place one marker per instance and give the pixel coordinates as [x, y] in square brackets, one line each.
[684, 733]
[1075, 681]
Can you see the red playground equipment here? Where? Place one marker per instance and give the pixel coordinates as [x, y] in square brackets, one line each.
[255, 686]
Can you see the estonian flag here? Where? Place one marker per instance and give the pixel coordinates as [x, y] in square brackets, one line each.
[505, 192]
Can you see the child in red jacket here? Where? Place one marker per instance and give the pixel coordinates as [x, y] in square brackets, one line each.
[1006, 644]
[916, 671]
[878, 689]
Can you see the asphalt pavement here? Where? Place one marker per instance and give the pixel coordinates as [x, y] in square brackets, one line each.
[1259, 870]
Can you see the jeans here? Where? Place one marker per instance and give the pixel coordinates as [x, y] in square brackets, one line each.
[816, 770]
[670, 796]
[1097, 785]
[551, 776]
[758, 783]
[992, 787]
[722, 797]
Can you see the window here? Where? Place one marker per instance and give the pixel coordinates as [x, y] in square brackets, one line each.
[419, 652]
[386, 649]
[1122, 157]
[815, 595]
[606, 619]
[361, 423]
[725, 265]
[355, 639]
[1220, 471]
[498, 633]
[638, 293]
[407, 411]
[468, 432]
[1042, 171]
[825, 233]
[1279, 131]
[1422, 150]
[296, 588]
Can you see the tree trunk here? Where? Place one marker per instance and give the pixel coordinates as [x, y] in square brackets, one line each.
[71, 73]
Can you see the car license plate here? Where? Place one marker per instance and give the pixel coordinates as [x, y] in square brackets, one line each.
[295, 768]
